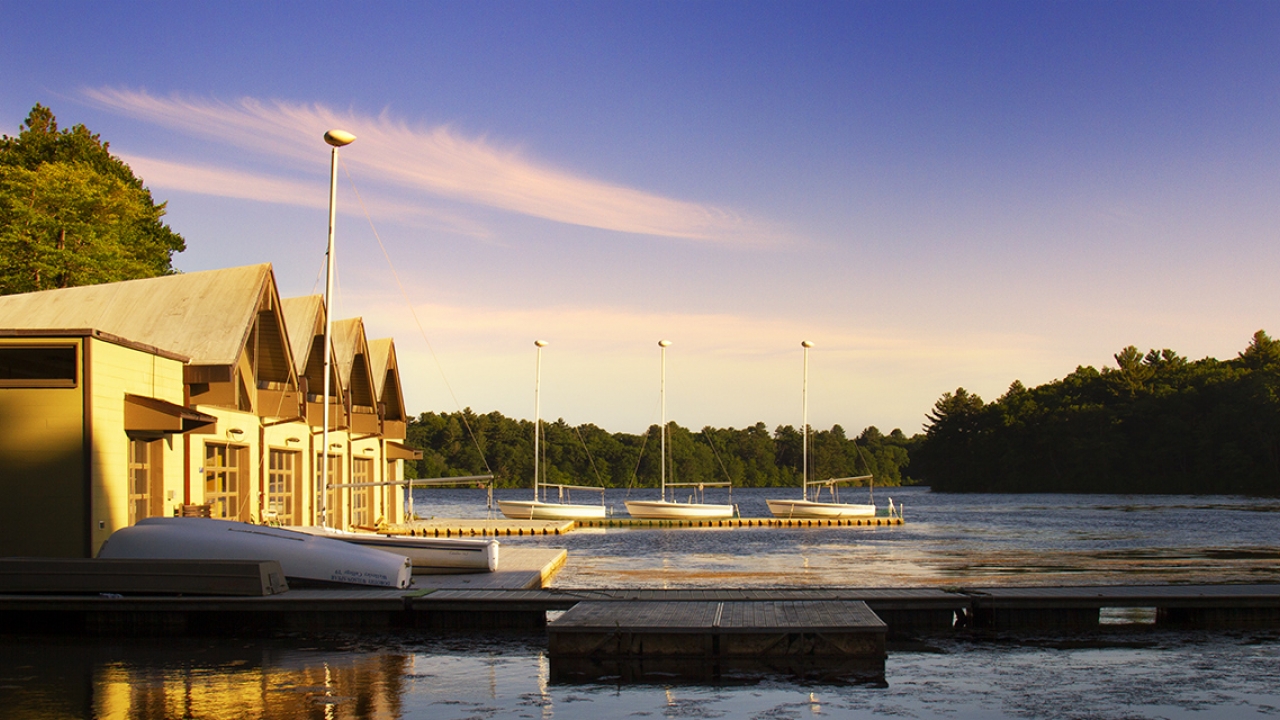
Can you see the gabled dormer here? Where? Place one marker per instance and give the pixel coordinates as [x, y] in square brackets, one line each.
[255, 373]
[386, 383]
[305, 320]
[351, 349]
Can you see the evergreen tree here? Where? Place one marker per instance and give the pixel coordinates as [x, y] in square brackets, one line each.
[71, 213]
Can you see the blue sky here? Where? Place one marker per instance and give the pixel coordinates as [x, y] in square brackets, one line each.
[936, 194]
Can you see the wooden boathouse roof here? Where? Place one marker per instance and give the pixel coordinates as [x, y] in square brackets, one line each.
[206, 316]
[386, 377]
[304, 317]
[351, 352]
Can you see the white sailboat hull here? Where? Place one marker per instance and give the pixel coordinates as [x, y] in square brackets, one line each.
[538, 510]
[667, 510]
[813, 509]
[301, 556]
[429, 556]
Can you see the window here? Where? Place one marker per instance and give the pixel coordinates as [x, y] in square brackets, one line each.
[361, 497]
[44, 366]
[393, 476]
[282, 474]
[222, 481]
[332, 503]
[145, 480]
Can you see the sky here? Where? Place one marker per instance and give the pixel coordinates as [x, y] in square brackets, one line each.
[935, 194]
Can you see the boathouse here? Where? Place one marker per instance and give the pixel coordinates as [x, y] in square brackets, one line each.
[186, 394]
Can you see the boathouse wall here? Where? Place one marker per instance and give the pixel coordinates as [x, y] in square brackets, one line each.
[43, 461]
[115, 372]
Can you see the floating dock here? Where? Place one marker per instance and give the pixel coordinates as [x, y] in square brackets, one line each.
[738, 523]
[491, 527]
[499, 527]
[517, 598]
[638, 640]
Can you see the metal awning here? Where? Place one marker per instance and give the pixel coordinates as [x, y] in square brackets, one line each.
[398, 451]
[151, 416]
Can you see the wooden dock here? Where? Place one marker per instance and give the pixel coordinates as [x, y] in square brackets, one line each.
[500, 527]
[483, 527]
[1014, 608]
[97, 605]
[517, 597]
[739, 523]
[623, 638]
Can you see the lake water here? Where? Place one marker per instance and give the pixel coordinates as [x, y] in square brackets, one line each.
[1127, 670]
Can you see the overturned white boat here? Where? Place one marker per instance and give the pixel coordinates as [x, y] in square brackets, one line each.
[431, 556]
[303, 557]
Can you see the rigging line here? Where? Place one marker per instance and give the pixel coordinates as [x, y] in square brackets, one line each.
[716, 452]
[421, 331]
[635, 472]
[590, 459]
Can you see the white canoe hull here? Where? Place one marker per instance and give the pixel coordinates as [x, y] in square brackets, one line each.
[301, 556]
[537, 510]
[811, 509]
[430, 556]
[667, 510]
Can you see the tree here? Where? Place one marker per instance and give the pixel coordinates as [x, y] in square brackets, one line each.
[71, 213]
[1155, 423]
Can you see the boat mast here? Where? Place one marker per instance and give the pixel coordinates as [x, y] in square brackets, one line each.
[804, 410]
[537, 413]
[336, 139]
[663, 392]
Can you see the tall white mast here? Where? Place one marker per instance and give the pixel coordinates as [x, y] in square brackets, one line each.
[336, 139]
[664, 344]
[804, 409]
[537, 413]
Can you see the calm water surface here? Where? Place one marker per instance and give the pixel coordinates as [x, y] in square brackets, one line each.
[1124, 671]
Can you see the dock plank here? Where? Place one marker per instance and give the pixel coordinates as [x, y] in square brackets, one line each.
[519, 568]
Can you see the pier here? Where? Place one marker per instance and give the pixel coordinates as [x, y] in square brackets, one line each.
[502, 527]
[640, 640]
[517, 598]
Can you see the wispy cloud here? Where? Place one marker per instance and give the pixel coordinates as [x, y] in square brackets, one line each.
[242, 185]
[438, 162]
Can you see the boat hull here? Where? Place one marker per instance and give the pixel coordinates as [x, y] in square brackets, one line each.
[537, 510]
[430, 556]
[812, 509]
[667, 510]
[301, 556]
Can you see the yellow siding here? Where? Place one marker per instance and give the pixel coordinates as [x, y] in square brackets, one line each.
[114, 372]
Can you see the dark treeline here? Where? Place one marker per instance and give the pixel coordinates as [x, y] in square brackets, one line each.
[1155, 423]
[589, 455]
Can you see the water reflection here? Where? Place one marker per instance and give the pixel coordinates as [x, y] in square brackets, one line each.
[1111, 674]
[198, 678]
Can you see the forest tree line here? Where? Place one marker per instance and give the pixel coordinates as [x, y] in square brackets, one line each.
[1155, 423]
[465, 443]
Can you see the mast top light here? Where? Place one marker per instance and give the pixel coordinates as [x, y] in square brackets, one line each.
[338, 138]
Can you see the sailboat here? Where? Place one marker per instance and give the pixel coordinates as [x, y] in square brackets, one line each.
[665, 509]
[538, 508]
[804, 507]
